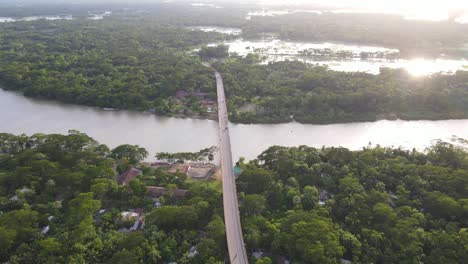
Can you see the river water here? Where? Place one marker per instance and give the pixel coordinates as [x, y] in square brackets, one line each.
[162, 134]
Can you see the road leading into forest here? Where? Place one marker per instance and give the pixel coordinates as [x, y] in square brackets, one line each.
[235, 241]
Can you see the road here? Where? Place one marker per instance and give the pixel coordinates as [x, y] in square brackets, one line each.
[235, 241]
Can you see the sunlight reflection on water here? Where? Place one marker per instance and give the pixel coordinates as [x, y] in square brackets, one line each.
[279, 50]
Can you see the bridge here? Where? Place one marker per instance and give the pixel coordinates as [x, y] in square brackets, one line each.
[235, 241]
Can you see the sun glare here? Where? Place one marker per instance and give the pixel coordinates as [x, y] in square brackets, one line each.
[434, 10]
[419, 67]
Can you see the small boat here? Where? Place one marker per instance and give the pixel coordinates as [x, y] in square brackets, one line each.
[109, 109]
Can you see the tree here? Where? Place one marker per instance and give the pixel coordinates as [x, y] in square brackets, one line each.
[264, 260]
[254, 180]
[383, 217]
[23, 222]
[217, 231]
[216, 52]
[123, 257]
[133, 153]
[170, 217]
[253, 204]
[309, 238]
[310, 197]
[7, 238]
[84, 206]
[49, 248]
[138, 188]
[442, 206]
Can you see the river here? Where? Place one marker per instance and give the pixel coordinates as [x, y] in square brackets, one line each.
[162, 134]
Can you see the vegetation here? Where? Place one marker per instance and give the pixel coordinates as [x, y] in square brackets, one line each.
[216, 52]
[376, 205]
[201, 155]
[113, 64]
[67, 183]
[60, 203]
[141, 60]
[282, 91]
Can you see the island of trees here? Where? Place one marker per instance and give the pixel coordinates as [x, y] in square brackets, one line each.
[110, 64]
[291, 90]
[62, 202]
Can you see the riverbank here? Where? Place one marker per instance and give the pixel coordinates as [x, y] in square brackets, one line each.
[166, 134]
[246, 120]
[386, 117]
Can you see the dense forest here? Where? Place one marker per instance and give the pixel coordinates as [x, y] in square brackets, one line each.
[376, 205]
[283, 91]
[111, 63]
[60, 202]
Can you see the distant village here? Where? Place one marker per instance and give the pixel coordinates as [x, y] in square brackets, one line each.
[206, 104]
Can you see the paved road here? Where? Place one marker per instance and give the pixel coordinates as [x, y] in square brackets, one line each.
[235, 240]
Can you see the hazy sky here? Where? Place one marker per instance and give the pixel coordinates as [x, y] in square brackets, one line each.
[361, 3]
[420, 6]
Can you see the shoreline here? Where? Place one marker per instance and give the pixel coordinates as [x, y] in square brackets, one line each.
[214, 117]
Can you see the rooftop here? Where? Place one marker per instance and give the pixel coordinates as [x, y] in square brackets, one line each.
[128, 175]
[155, 191]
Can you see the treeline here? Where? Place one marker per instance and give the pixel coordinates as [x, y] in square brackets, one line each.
[376, 205]
[412, 37]
[110, 63]
[60, 203]
[291, 90]
[202, 155]
[216, 52]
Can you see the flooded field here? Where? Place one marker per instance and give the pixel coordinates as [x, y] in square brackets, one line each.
[222, 30]
[344, 57]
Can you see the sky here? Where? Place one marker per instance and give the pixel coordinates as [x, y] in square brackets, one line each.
[420, 7]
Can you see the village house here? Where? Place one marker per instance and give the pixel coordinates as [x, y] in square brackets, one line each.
[207, 102]
[22, 191]
[159, 164]
[200, 171]
[156, 192]
[129, 215]
[178, 167]
[45, 230]
[136, 216]
[128, 175]
[193, 252]
[323, 197]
